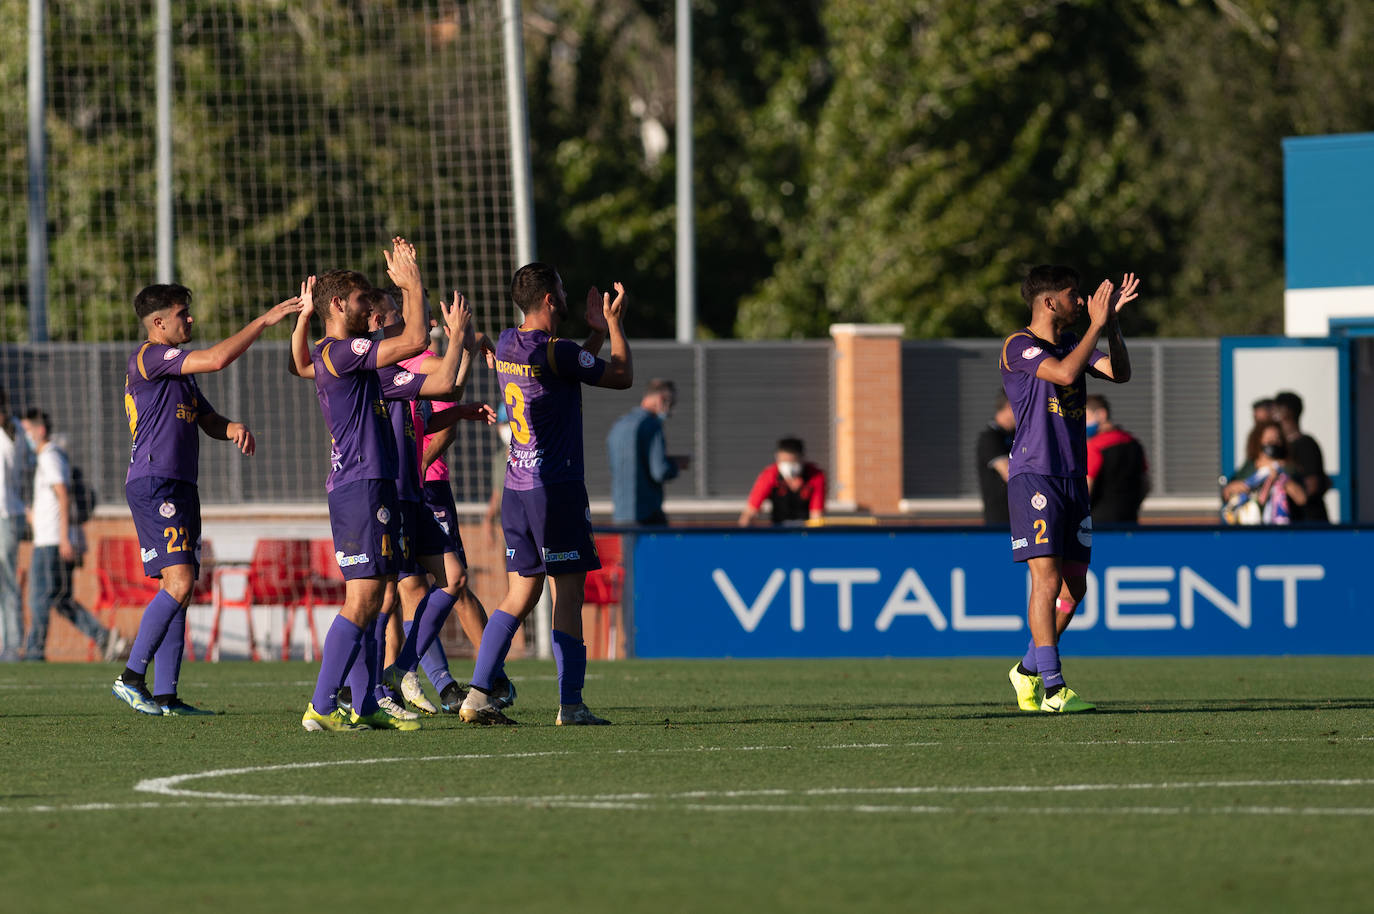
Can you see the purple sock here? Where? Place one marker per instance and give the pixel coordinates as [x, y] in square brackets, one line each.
[362, 675]
[435, 664]
[379, 637]
[432, 622]
[409, 657]
[570, 656]
[1047, 662]
[491, 653]
[152, 628]
[1028, 662]
[167, 658]
[341, 645]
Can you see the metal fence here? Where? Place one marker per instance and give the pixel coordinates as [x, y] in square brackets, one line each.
[735, 399]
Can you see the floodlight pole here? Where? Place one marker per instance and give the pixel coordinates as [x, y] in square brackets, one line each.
[38, 179]
[686, 228]
[166, 268]
[518, 120]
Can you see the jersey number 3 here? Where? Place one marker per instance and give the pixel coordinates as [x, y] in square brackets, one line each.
[519, 426]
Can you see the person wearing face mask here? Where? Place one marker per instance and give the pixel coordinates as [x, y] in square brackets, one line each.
[58, 543]
[1268, 489]
[1118, 473]
[639, 462]
[794, 486]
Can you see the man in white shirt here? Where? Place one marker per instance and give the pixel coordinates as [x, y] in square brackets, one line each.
[58, 543]
[14, 462]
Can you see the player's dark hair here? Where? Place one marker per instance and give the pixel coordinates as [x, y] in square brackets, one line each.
[660, 386]
[1047, 278]
[1289, 401]
[34, 414]
[792, 446]
[1097, 401]
[160, 297]
[338, 284]
[531, 283]
[1263, 403]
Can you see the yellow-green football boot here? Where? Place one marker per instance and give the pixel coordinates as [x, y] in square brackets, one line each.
[335, 721]
[1030, 690]
[1065, 701]
[380, 720]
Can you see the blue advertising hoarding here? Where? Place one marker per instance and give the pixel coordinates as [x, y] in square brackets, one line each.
[941, 593]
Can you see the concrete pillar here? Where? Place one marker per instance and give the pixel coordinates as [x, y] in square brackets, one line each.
[868, 416]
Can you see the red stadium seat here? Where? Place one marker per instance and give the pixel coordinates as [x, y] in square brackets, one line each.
[604, 594]
[278, 575]
[123, 584]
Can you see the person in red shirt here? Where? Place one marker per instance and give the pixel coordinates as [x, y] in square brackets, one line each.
[1118, 473]
[795, 487]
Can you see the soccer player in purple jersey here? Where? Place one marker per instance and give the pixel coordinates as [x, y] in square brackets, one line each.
[364, 516]
[544, 510]
[1043, 369]
[402, 385]
[167, 412]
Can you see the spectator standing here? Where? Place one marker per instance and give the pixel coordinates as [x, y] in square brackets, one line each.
[639, 461]
[58, 543]
[1306, 457]
[1118, 473]
[993, 454]
[795, 487]
[14, 462]
[1268, 490]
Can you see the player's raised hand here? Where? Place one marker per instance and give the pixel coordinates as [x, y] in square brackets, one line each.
[484, 343]
[614, 310]
[307, 298]
[1100, 305]
[277, 313]
[457, 316]
[596, 316]
[401, 265]
[242, 438]
[1128, 292]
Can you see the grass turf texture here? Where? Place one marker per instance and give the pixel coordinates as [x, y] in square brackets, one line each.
[891, 785]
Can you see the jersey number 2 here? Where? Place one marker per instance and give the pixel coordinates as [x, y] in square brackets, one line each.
[1040, 536]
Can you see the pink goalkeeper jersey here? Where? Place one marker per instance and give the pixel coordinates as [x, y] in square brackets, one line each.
[421, 410]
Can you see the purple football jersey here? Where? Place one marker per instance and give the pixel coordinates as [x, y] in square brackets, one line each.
[164, 407]
[400, 388]
[541, 380]
[350, 394]
[1051, 437]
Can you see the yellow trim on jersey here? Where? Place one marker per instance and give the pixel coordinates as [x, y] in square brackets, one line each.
[324, 357]
[548, 355]
[141, 370]
[1008, 343]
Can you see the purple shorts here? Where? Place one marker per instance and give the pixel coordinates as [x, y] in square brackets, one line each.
[1050, 515]
[548, 530]
[439, 500]
[167, 520]
[423, 534]
[366, 523]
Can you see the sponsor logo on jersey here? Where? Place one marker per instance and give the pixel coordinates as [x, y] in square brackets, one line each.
[149, 554]
[166, 509]
[1030, 352]
[402, 378]
[170, 354]
[1038, 501]
[570, 556]
[1021, 543]
[586, 359]
[1085, 532]
[510, 553]
[383, 515]
[347, 560]
[361, 346]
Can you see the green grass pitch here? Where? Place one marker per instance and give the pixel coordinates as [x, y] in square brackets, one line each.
[758, 786]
